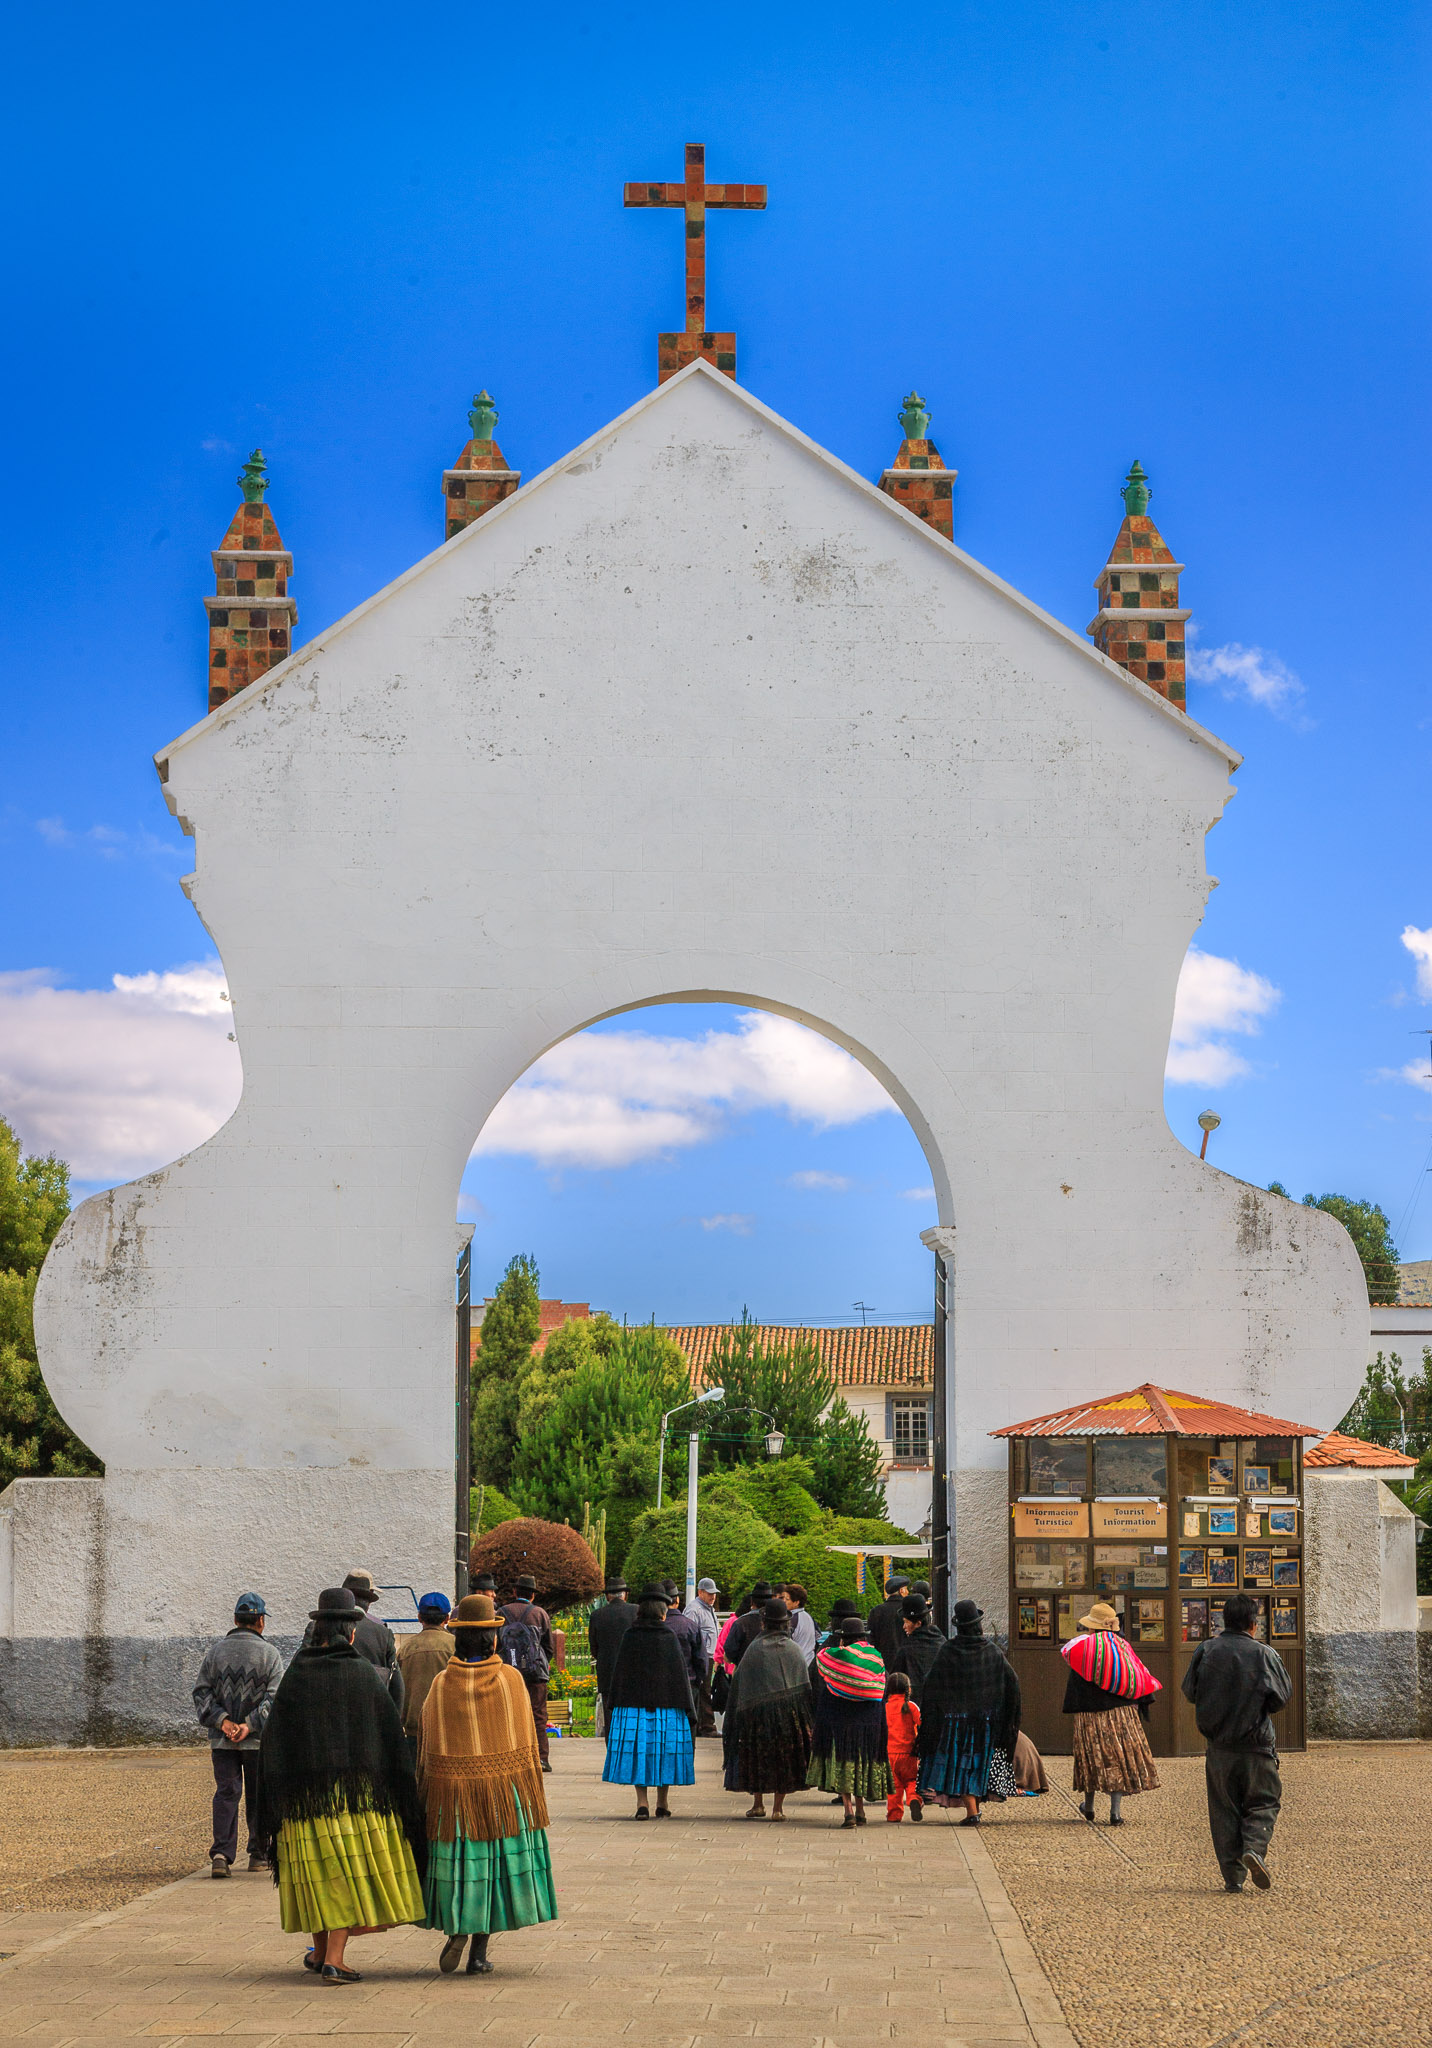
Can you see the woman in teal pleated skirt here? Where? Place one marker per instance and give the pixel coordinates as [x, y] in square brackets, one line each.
[489, 1868]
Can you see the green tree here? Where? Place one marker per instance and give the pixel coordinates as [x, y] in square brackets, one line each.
[729, 1539]
[1371, 1234]
[846, 1461]
[34, 1201]
[1390, 1401]
[510, 1328]
[786, 1382]
[604, 1407]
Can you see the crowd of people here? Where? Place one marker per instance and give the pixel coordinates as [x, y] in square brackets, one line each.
[388, 1782]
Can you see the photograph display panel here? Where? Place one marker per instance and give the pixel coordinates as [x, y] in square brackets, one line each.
[1135, 1465]
[1048, 1566]
[1058, 1465]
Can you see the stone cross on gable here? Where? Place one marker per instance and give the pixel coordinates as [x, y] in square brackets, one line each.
[675, 351]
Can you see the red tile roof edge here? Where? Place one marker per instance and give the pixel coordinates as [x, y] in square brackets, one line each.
[1337, 1450]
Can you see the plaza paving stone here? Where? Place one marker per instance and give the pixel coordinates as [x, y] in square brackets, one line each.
[703, 1931]
[1141, 1942]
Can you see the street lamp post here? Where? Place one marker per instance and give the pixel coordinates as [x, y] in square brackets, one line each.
[693, 1445]
[1208, 1123]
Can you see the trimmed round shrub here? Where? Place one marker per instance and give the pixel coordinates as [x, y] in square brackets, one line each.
[727, 1539]
[779, 1492]
[554, 1555]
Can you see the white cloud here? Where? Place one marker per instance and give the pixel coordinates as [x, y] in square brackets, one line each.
[1419, 945]
[827, 1183]
[1416, 1072]
[1253, 673]
[110, 842]
[1216, 998]
[740, 1226]
[917, 1194]
[118, 1080]
[609, 1098]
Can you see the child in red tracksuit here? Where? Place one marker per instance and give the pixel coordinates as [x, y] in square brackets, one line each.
[902, 1725]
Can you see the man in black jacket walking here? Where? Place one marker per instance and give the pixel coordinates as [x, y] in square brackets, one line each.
[605, 1630]
[886, 1623]
[1235, 1684]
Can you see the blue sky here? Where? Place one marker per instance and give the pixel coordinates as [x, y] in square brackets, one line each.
[1194, 235]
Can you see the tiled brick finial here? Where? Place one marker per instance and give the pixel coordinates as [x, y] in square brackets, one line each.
[1140, 623]
[252, 618]
[920, 481]
[480, 478]
[694, 196]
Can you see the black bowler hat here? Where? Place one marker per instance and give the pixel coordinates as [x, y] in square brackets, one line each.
[617, 1585]
[968, 1613]
[336, 1603]
[481, 1582]
[913, 1608]
[527, 1586]
[762, 1591]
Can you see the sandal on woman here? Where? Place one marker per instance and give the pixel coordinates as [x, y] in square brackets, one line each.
[755, 1813]
[849, 1821]
[335, 1973]
[860, 1820]
[777, 1816]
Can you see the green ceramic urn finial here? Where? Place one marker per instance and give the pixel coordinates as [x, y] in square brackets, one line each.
[253, 478]
[1136, 492]
[914, 417]
[483, 416]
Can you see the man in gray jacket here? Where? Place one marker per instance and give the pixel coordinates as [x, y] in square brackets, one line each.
[1235, 1684]
[237, 1681]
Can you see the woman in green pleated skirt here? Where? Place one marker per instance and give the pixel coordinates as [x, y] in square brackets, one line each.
[339, 1813]
[489, 1869]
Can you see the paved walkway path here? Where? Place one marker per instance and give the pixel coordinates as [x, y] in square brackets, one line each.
[682, 1934]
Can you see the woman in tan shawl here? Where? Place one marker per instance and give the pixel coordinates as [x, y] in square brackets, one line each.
[489, 1868]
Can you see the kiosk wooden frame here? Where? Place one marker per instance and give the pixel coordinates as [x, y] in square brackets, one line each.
[1162, 1504]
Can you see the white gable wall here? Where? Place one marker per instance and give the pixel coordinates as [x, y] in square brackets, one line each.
[697, 715]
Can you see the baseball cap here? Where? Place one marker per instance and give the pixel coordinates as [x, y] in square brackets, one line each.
[249, 1603]
[706, 1585]
[437, 1603]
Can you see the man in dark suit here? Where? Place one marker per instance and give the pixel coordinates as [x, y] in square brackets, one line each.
[605, 1630]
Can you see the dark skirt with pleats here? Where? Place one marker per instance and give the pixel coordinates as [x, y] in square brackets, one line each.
[767, 1748]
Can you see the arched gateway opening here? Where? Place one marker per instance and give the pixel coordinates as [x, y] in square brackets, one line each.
[697, 1157]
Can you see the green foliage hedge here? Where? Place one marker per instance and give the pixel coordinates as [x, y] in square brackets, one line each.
[728, 1540]
[826, 1574]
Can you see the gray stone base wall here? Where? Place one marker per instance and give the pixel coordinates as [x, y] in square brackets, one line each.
[1368, 1685]
[102, 1692]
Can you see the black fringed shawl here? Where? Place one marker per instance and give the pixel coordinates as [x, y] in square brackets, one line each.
[971, 1679]
[651, 1671]
[333, 1743]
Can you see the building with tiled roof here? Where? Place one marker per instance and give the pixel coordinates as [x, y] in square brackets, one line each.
[1352, 1453]
[885, 1372]
[550, 1316]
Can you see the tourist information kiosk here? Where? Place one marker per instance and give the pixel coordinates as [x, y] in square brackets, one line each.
[1160, 1504]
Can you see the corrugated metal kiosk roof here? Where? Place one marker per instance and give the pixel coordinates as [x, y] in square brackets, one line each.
[1156, 1411]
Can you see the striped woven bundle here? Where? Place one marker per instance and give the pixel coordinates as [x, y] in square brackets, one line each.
[1108, 1661]
[854, 1671]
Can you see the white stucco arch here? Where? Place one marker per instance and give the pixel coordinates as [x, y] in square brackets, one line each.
[697, 711]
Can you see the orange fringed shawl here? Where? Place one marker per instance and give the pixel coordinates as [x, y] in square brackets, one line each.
[477, 1749]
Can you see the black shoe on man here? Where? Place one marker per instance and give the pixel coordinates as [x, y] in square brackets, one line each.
[1258, 1870]
[218, 1866]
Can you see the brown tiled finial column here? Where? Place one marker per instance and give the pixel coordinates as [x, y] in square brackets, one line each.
[480, 478]
[693, 196]
[251, 620]
[920, 481]
[1140, 623]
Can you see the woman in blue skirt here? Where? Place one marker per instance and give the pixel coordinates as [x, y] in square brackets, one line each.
[652, 1712]
[969, 1720]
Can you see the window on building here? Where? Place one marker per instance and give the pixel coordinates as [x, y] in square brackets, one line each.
[910, 1430]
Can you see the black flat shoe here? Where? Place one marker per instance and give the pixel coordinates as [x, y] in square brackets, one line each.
[478, 1966]
[1116, 1820]
[642, 1813]
[335, 1973]
[452, 1953]
[849, 1821]
[311, 1962]
[663, 1813]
